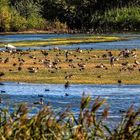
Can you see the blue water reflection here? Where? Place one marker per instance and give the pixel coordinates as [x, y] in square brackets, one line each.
[118, 97]
[133, 42]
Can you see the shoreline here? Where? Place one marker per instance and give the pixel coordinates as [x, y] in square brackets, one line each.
[71, 32]
[2, 83]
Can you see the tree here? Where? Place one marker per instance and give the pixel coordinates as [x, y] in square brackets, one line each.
[5, 15]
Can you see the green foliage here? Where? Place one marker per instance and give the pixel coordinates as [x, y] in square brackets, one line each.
[87, 15]
[34, 22]
[124, 18]
[18, 23]
[5, 16]
[48, 124]
[24, 15]
[27, 8]
[31, 12]
[61, 15]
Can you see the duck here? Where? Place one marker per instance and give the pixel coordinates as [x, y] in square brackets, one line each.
[122, 111]
[40, 95]
[47, 89]
[125, 64]
[1, 84]
[66, 94]
[3, 91]
[2, 74]
[41, 102]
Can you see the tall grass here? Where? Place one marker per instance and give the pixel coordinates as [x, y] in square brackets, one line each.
[50, 125]
[122, 19]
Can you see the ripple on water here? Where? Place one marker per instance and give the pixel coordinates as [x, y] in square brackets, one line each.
[119, 98]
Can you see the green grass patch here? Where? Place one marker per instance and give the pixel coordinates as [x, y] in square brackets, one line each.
[65, 41]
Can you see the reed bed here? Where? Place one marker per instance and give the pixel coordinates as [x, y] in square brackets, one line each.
[47, 124]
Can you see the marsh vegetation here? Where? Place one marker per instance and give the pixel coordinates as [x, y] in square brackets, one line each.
[47, 124]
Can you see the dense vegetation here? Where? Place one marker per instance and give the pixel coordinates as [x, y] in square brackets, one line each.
[65, 126]
[66, 15]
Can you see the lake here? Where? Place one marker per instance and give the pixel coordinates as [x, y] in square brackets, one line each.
[119, 98]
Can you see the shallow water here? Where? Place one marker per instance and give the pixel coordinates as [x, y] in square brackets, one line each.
[133, 42]
[118, 97]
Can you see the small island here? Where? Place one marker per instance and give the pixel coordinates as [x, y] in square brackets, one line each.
[75, 66]
[65, 41]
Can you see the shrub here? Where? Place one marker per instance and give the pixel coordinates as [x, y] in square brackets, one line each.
[17, 23]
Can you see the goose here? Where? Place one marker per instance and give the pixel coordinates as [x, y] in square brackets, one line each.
[82, 65]
[68, 76]
[100, 66]
[125, 64]
[2, 74]
[119, 81]
[6, 60]
[45, 53]
[112, 59]
[67, 84]
[32, 69]
[19, 68]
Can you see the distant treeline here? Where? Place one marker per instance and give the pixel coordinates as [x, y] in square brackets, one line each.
[66, 15]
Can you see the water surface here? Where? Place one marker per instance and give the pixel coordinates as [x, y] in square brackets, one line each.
[119, 98]
[132, 42]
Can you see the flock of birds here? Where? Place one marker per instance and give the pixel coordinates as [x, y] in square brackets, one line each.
[52, 64]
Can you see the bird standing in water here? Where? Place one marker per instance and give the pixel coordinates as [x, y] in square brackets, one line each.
[67, 84]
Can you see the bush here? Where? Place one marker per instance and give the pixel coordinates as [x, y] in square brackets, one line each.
[36, 22]
[17, 23]
[124, 18]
